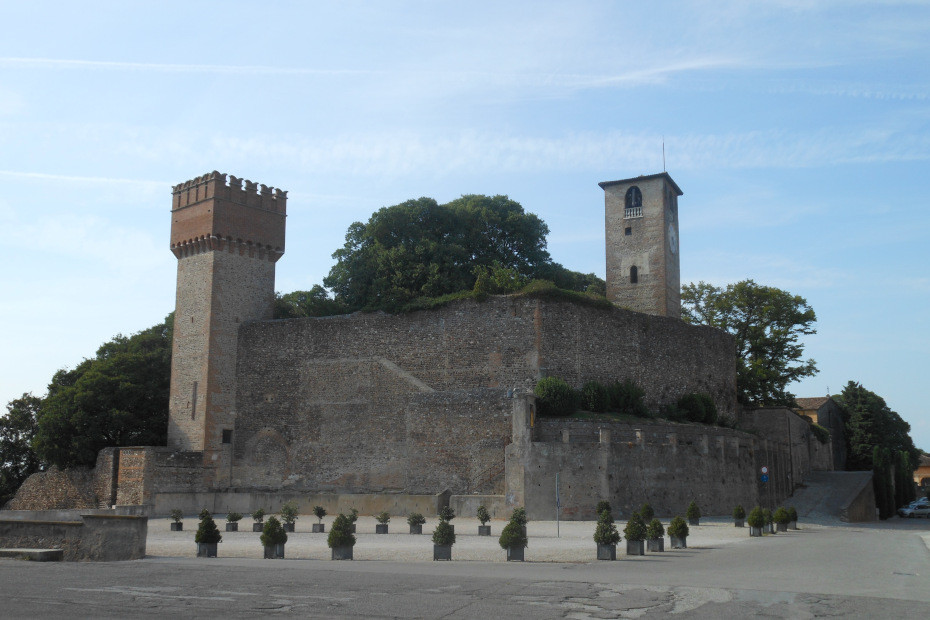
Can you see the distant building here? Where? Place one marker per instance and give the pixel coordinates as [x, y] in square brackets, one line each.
[922, 474]
[825, 411]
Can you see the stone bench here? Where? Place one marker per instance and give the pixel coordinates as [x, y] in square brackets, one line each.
[36, 555]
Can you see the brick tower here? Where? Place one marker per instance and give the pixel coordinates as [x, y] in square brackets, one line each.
[642, 244]
[227, 239]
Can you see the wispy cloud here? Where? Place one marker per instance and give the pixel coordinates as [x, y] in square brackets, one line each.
[70, 178]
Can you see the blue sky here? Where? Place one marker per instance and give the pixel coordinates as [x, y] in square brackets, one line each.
[798, 130]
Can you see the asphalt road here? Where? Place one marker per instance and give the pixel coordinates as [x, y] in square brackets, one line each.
[866, 571]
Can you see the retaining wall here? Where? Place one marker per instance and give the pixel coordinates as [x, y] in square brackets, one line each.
[91, 537]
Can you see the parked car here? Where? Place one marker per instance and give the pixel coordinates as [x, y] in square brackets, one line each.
[921, 510]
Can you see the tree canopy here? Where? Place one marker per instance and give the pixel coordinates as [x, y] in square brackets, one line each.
[421, 248]
[870, 423]
[117, 398]
[17, 430]
[767, 323]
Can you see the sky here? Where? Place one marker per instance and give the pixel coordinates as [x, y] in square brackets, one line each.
[799, 132]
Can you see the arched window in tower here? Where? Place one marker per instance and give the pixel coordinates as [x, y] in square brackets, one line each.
[634, 275]
[633, 204]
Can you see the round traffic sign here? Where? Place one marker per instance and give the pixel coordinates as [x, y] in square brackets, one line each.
[764, 478]
[765, 469]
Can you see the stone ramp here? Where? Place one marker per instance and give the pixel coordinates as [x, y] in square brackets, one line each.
[843, 495]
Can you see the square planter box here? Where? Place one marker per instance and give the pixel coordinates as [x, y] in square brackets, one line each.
[755, 531]
[606, 552]
[739, 522]
[416, 529]
[381, 528]
[655, 545]
[792, 525]
[257, 527]
[515, 554]
[232, 526]
[484, 530]
[319, 528]
[274, 552]
[289, 527]
[635, 547]
[679, 543]
[442, 552]
[177, 527]
[694, 521]
[206, 550]
[782, 527]
[342, 553]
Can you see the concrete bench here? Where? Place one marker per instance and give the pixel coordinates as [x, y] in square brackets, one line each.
[36, 555]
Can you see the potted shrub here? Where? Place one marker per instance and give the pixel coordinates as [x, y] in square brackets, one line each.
[739, 516]
[678, 533]
[635, 532]
[443, 538]
[781, 519]
[767, 514]
[647, 513]
[655, 536]
[693, 514]
[177, 514]
[207, 537]
[792, 518]
[273, 538]
[447, 513]
[259, 517]
[383, 518]
[341, 538]
[519, 516]
[352, 517]
[319, 512]
[232, 521]
[756, 521]
[288, 515]
[484, 516]
[513, 537]
[601, 507]
[606, 536]
[415, 520]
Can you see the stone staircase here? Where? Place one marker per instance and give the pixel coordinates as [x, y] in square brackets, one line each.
[843, 495]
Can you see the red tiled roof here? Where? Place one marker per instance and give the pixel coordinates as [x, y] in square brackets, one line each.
[812, 403]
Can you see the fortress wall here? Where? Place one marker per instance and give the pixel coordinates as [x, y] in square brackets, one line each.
[417, 402]
[667, 465]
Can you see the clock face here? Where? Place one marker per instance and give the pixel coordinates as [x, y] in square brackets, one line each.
[672, 238]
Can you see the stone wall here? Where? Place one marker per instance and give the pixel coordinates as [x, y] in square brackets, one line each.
[416, 403]
[54, 489]
[785, 426]
[93, 537]
[665, 464]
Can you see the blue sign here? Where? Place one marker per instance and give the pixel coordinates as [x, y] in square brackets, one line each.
[764, 477]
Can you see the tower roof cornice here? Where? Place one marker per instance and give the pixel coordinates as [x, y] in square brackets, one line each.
[644, 177]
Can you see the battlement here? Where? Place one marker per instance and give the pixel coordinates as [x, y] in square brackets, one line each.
[215, 185]
[224, 212]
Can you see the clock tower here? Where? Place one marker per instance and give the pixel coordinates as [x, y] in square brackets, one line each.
[642, 244]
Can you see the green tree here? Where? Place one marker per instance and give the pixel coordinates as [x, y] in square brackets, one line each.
[872, 423]
[767, 323]
[420, 248]
[315, 302]
[17, 458]
[117, 398]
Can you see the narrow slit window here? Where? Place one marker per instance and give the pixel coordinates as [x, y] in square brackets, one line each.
[194, 402]
[634, 275]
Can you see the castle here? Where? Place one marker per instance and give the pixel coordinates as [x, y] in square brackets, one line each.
[415, 411]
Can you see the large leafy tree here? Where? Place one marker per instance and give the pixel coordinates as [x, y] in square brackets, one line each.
[871, 423]
[421, 248]
[768, 324]
[117, 398]
[315, 302]
[17, 458]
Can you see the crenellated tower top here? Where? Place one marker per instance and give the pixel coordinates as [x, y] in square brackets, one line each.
[211, 213]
